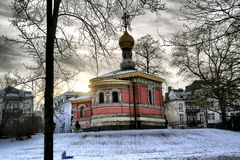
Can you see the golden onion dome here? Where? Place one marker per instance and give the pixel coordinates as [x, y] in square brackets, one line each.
[126, 41]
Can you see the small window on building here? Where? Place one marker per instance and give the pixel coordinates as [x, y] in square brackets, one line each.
[68, 96]
[180, 107]
[101, 97]
[115, 97]
[211, 116]
[81, 111]
[201, 117]
[150, 98]
[181, 118]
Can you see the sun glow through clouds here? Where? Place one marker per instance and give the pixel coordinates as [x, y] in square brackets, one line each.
[82, 87]
[81, 83]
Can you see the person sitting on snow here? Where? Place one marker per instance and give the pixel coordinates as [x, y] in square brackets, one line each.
[64, 156]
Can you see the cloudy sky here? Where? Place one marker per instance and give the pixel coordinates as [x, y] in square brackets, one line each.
[166, 23]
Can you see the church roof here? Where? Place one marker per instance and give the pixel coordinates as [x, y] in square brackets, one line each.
[125, 74]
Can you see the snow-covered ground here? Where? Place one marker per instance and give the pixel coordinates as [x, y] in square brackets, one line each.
[174, 144]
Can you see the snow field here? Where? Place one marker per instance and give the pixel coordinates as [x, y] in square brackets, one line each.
[177, 144]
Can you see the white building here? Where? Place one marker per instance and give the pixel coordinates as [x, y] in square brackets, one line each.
[180, 114]
[192, 108]
[63, 112]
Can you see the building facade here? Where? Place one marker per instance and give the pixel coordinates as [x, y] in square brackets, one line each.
[15, 107]
[63, 114]
[180, 113]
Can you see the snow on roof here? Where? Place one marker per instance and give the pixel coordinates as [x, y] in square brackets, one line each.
[81, 97]
[117, 72]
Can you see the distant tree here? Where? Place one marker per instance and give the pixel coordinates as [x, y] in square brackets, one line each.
[202, 98]
[27, 125]
[216, 62]
[7, 116]
[17, 117]
[208, 48]
[149, 55]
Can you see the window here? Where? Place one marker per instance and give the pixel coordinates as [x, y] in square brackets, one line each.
[81, 111]
[180, 107]
[211, 116]
[201, 117]
[191, 118]
[150, 101]
[115, 97]
[68, 96]
[181, 118]
[60, 102]
[101, 97]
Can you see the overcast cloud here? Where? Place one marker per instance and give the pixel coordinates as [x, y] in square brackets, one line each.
[10, 55]
[165, 23]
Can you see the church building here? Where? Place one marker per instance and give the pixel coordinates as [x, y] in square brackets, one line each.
[123, 99]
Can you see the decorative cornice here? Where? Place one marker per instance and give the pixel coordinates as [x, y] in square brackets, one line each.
[103, 83]
[130, 75]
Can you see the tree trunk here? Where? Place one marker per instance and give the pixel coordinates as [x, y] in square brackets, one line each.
[206, 117]
[52, 17]
[48, 96]
[223, 113]
[148, 62]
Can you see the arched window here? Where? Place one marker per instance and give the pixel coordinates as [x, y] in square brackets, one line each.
[81, 111]
[181, 118]
[150, 100]
[115, 97]
[101, 97]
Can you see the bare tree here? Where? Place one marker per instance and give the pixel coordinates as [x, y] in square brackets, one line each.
[149, 55]
[93, 23]
[216, 61]
[88, 24]
[16, 106]
[201, 98]
[222, 15]
[208, 48]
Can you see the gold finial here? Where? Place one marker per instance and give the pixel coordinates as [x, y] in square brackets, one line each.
[126, 40]
[126, 20]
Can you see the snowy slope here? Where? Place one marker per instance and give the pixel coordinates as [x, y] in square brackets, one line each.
[130, 145]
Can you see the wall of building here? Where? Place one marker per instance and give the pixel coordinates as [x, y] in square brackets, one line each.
[63, 119]
[87, 114]
[173, 114]
[132, 105]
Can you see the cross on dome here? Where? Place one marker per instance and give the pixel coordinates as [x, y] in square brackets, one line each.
[126, 43]
[126, 18]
